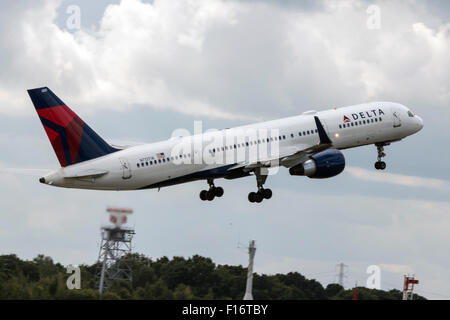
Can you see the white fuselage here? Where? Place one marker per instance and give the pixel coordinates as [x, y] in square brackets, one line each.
[202, 156]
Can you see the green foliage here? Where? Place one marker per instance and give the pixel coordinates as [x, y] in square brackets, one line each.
[177, 278]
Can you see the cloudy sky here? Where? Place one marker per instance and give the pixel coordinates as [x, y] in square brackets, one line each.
[137, 70]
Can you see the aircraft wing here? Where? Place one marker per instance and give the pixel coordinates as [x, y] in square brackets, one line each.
[291, 156]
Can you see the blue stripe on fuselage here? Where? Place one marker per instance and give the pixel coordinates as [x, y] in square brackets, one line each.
[219, 172]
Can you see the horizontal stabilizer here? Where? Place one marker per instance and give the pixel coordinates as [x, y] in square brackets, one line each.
[91, 173]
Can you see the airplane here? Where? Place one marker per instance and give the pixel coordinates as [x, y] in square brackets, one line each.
[309, 145]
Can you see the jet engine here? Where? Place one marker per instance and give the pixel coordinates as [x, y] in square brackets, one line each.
[325, 164]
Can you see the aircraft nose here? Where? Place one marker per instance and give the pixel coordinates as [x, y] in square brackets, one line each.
[419, 122]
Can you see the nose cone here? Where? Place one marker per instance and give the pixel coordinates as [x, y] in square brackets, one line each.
[419, 123]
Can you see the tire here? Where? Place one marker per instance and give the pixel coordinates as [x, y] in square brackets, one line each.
[252, 197]
[382, 165]
[377, 165]
[210, 195]
[203, 195]
[267, 193]
[259, 197]
[218, 192]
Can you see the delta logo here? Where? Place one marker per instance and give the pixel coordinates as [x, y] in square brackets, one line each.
[364, 115]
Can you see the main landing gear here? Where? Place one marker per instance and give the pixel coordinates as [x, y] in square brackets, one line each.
[262, 193]
[380, 165]
[212, 192]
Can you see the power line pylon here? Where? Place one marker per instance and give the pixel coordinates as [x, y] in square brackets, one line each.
[249, 287]
[341, 273]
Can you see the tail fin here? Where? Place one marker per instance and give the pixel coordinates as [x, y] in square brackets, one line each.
[72, 139]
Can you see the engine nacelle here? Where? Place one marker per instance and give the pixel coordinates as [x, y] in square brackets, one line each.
[325, 164]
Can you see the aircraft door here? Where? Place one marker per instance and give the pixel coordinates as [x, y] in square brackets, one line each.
[396, 118]
[126, 168]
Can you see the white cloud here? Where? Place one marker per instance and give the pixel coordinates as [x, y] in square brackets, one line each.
[226, 59]
[397, 268]
[398, 179]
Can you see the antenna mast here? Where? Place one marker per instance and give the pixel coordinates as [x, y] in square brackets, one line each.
[341, 273]
[249, 287]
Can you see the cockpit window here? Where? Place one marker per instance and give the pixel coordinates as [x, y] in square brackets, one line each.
[410, 114]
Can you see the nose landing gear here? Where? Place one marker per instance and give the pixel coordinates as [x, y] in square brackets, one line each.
[381, 165]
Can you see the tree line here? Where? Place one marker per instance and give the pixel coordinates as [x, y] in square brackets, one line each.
[177, 278]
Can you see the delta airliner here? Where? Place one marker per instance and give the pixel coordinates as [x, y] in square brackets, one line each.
[308, 145]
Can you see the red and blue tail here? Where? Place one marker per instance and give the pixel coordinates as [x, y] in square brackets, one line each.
[72, 139]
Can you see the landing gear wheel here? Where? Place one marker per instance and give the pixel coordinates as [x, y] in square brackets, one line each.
[203, 194]
[380, 165]
[259, 197]
[267, 193]
[210, 195]
[261, 176]
[218, 191]
[252, 197]
[212, 192]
